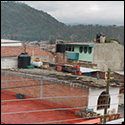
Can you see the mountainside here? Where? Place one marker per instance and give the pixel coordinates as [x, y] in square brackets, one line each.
[21, 22]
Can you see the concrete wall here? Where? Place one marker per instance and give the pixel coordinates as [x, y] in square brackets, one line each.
[109, 55]
[94, 95]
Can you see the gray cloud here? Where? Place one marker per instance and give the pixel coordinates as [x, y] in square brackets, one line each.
[80, 12]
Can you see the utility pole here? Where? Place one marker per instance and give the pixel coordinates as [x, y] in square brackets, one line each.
[107, 96]
[24, 46]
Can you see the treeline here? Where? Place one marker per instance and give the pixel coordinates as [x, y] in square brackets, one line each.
[21, 22]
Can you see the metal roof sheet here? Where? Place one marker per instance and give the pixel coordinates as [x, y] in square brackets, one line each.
[119, 72]
[10, 41]
[86, 70]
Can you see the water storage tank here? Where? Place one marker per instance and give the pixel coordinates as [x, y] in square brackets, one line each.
[60, 48]
[98, 38]
[23, 60]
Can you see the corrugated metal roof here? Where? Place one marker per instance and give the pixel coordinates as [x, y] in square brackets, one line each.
[86, 70]
[119, 72]
[10, 41]
[11, 44]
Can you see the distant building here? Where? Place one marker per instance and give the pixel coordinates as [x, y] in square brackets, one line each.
[105, 55]
[80, 52]
[7, 42]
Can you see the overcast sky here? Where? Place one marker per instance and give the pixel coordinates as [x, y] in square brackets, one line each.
[83, 12]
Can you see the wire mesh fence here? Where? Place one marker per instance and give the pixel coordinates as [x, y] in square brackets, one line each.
[62, 98]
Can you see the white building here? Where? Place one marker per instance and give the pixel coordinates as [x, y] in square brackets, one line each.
[113, 103]
[7, 42]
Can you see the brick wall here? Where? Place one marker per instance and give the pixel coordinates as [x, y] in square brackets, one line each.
[31, 50]
[65, 90]
[118, 77]
[11, 51]
[49, 89]
[59, 58]
[101, 75]
[17, 83]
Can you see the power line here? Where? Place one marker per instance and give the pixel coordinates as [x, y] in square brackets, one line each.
[33, 85]
[61, 120]
[56, 109]
[25, 86]
[54, 97]
[64, 120]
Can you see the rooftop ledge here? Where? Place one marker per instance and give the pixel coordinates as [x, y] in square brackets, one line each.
[59, 77]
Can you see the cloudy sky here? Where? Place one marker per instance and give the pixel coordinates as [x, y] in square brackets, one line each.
[83, 12]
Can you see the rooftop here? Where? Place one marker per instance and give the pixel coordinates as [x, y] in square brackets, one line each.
[79, 43]
[119, 72]
[36, 111]
[10, 41]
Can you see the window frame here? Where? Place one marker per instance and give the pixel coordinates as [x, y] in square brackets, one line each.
[102, 100]
[70, 48]
[86, 49]
[89, 51]
[80, 49]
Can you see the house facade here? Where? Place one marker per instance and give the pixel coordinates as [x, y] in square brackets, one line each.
[105, 55]
[96, 97]
[80, 52]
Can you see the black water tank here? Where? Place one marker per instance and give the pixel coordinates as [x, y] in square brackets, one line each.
[60, 48]
[23, 60]
[98, 38]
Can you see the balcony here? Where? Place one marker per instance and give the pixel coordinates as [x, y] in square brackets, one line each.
[72, 55]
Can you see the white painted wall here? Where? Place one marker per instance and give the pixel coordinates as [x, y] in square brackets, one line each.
[7, 42]
[8, 62]
[11, 44]
[10, 41]
[94, 94]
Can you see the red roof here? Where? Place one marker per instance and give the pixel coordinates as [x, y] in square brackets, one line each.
[35, 117]
[31, 50]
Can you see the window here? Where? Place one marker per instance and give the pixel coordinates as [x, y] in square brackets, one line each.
[90, 50]
[80, 49]
[85, 49]
[70, 48]
[102, 101]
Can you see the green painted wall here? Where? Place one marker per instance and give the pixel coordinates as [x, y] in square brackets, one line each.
[84, 56]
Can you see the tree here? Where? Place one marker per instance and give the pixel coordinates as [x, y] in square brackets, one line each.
[73, 37]
[117, 40]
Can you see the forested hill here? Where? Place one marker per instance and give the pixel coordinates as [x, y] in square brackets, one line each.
[21, 22]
